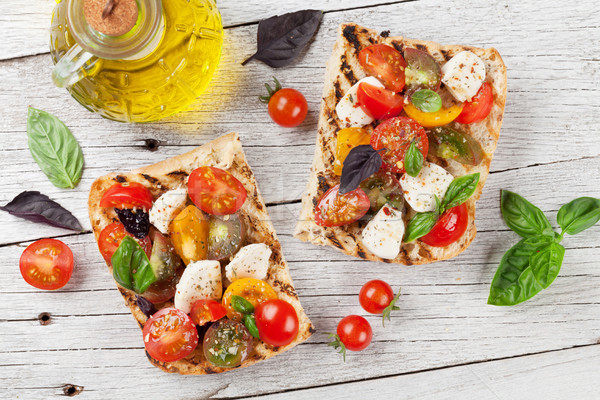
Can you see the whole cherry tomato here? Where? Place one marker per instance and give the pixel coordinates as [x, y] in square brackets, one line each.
[375, 296]
[47, 264]
[353, 333]
[288, 107]
[450, 227]
[277, 322]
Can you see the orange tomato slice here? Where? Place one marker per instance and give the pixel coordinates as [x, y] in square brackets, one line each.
[347, 139]
[189, 234]
[432, 119]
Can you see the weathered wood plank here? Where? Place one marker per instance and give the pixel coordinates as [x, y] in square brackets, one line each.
[25, 29]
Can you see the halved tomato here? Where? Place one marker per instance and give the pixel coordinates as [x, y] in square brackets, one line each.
[127, 195]
[379, 103]
[422, 71]
[479, 107]
[207, 310]
[381, 188]
[347, 139]
[336, 209]
[170, 335]
[443, 116]
[225, 236]
[47, 264]
[251, 289]
[384, 63]
[450, 227]
[395, 135]
[111, 236]
[189, 234]
[216, 191]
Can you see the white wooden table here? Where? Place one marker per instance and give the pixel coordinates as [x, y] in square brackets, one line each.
[445, 343]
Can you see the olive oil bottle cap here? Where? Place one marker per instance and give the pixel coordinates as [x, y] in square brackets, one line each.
[111, 17]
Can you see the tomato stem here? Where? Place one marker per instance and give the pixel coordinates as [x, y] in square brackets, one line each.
[388, 310]
[270, 91]
[337, 344]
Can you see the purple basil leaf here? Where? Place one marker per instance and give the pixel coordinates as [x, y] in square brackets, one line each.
[362, 162]
[282, 37]
[137, 223]
[37, 207]
[145, 306]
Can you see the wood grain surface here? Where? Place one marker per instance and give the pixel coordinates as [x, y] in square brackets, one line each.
[445, 343]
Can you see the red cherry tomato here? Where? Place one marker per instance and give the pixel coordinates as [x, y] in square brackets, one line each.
[379, 103]
[384, 63]
[47, 264]
[375, 296]
[277, 322]
[170, 335]
[288, 107]
[395, 135]
[111, 236]
[207, 310]
[336, 209]
[355, 332]
[451, 226]
[216, 191]
[127, 195]
[479, 107]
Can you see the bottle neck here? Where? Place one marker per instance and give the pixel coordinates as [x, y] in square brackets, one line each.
[141, 40]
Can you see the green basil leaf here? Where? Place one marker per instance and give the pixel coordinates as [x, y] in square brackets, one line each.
[413, 160]
[426, 100]
[242, 305]
[131, 267]
[420, 225]
[546, 263]
[515, 280]
[460, 190]
[523, 217]
[579, 214]
[54, 149]
[250, 323]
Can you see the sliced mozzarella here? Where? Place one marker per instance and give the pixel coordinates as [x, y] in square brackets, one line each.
[419, 191]
[251, 261]
[166, 207]
[200, 280]
[463, 75]
[349, 112]
[383, 234]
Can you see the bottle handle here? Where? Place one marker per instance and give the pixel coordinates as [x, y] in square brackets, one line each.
[69, 69]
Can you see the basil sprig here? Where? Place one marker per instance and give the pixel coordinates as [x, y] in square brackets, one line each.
[532, 264]
[131, 267]
[426, 100]
[458, 192]
[413, 160]
[54, 148]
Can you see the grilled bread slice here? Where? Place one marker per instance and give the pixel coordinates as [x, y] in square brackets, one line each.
[226, 153]
[343, 71]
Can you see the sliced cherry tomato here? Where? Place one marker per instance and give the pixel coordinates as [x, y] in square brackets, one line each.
[170, 335]
[167, 267]
[451, 143]
[227, 344]
[163, 290]
[395, 135]
[277, 322]
[450, 227]
[355, 332]
[110, 239]
[347, 139]
[216, 191]
[384, 63]
[288, 107]
[47, 264]
[432, 119]
[336, 209]
[189, 234]
[479, 107]
[375, 296]
[251, 289]
[379, 103]
[207, 310]
[422, 71]
[127, 195]
[381, 188]
[225, 236]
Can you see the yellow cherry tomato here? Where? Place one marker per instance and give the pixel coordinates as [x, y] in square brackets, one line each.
[251, 289]
[347, 139]
[189, 234]
[432, 119]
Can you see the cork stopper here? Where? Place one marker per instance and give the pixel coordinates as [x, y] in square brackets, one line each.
[111, 17]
